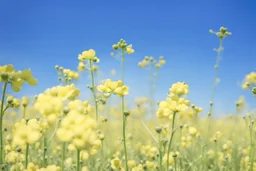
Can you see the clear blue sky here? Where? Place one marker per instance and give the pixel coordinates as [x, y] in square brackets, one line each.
[40, 34]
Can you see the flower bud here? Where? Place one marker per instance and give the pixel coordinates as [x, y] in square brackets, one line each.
[254, 90]
[211, 31]
[228, 34]
[223, 30]
[174, 155]
[220, 35]
[19, 149]
[10, 100]
[127, 113]
[65, 110]
[4, 76]
[115, 46]
[158, 129]
[101, 137]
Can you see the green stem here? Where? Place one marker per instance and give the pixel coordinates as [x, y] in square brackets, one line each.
[26, 161]
[102, 150]
[251, 144]
[216, 156]
[170, 142]
[45, 151]
[160, 153]
[93, 90]
[24, 113]
[1, 125]
[175, 163]
[78, 161]
[180, 159]
[124, 136]
[63, 155]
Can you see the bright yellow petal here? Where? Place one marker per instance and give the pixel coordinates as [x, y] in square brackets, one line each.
[27, 76]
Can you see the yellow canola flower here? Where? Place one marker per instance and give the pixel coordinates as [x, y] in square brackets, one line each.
[129, 49]
[26, 133]
[108, 87]
[25, 101]
[16, 78]
[51, 102]
[122, 91]
[88, 54]
[192, 131]
[179, 88]
[169, 106]
[81, 66]
[80, 130]
[51, 168]
[71, 74]
[32, 167]
[131, 163]
[116, 163]
[84, 168]
[80, 106]
[138, 168]
[249, 80]
[12, 157]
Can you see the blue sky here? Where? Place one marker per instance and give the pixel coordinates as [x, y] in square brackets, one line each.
[41, 34]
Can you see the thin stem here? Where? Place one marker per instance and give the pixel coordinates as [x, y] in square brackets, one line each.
[45, 151]
[175, 163]
[78, 161]
[214, 84]
[170, 142]
[251, 144]
[63, 155]
[1, 124]
[26, 161]
[102, 149]
[160, 153]
[24, 113]
[124, 136]
[93, 90]
[216, 155]
[180, 159]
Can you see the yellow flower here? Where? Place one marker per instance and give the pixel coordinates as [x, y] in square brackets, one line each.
[90, 54]
[78, 129]
[116, 163]
[25, 101]
[192, 131]
[180, 88]
[26, 133]
[122, 91]
[129, 49]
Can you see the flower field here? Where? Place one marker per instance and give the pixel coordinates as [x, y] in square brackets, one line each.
[57, 131]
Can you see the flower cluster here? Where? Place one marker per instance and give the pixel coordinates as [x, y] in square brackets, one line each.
[87, 57]
[250, 79]
[51, 103]
[16, 78]
[66, 75]
[123, 45]
[222, 32]
[80, 131]
[109, 87]
[174, 103]
[150, 60]
[82, 107]
[26, 132]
